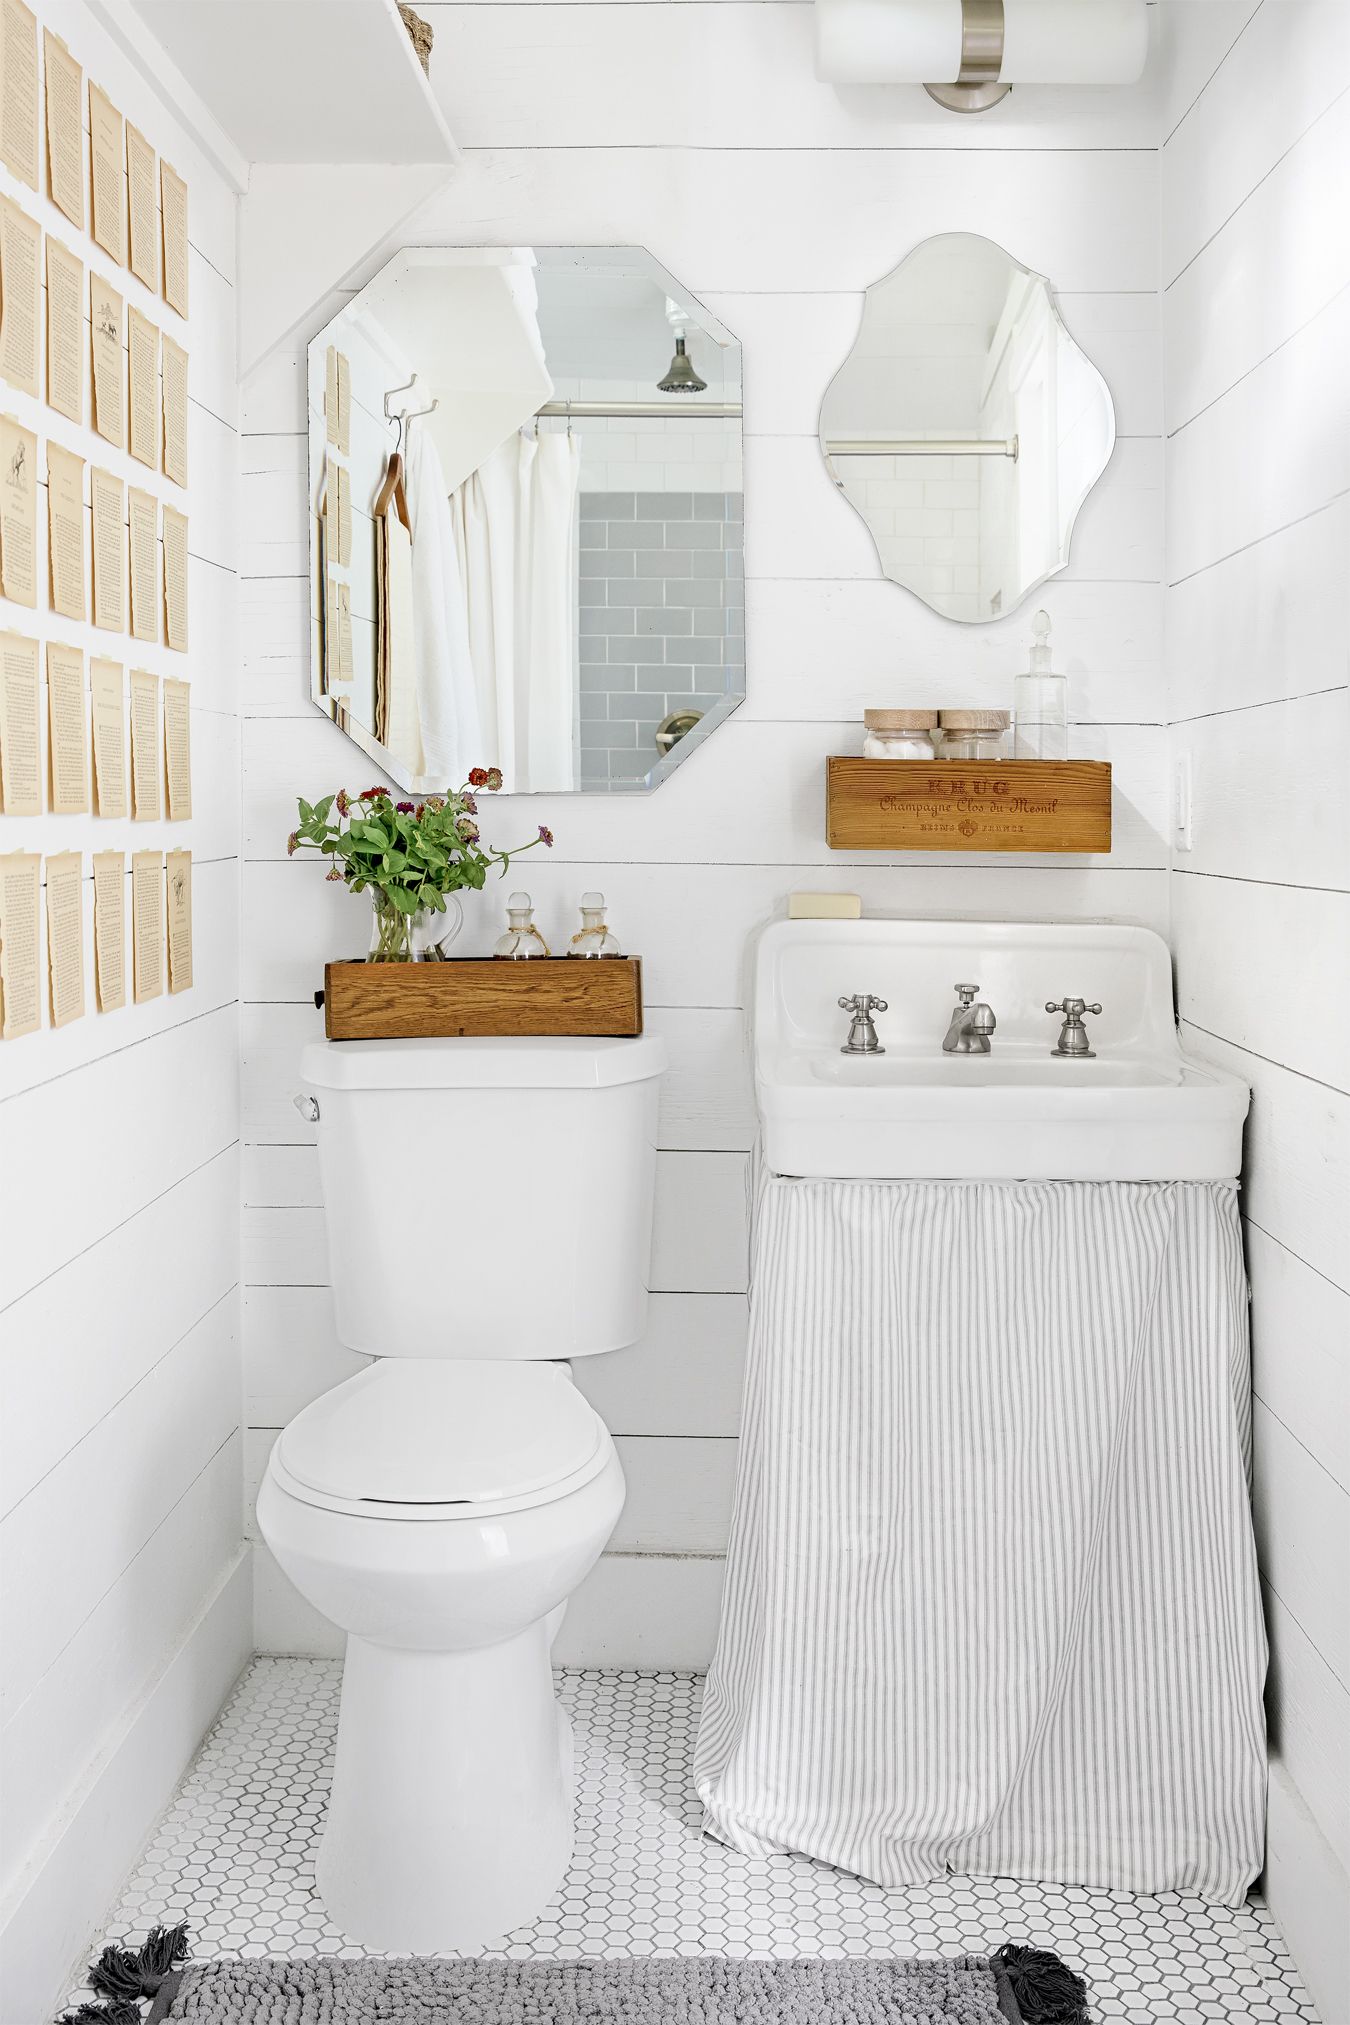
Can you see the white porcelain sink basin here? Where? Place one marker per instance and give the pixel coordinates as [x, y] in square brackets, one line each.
[1139, 1110]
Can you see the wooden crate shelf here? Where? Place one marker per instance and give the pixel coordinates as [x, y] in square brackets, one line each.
[482, 996]
[968, 805]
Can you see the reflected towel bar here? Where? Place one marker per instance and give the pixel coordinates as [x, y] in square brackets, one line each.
[674, 409]
[921, 446]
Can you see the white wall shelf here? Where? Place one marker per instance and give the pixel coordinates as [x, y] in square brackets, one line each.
[306, 80]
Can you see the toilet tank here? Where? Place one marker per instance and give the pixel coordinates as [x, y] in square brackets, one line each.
[487, 1198]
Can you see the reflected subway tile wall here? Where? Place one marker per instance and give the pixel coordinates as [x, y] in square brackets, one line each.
[662, 619]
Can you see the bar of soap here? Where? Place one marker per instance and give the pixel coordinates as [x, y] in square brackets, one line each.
[824, 907]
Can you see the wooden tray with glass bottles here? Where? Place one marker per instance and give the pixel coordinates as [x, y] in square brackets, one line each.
[968, 805]
[481, 996]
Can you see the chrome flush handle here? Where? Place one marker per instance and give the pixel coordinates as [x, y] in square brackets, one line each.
[308, 1107]
[1073, 1039]
[862, 1035]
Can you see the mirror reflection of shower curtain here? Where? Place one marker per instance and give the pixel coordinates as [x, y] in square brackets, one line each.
[446, 694]
[516, 547]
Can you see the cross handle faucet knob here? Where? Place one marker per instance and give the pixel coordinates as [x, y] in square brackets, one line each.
[1072, 1008]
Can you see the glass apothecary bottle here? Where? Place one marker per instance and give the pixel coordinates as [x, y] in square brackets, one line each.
[899, 734]
[1040, 702]
[973, 734]
[522, 938]
[593, 938]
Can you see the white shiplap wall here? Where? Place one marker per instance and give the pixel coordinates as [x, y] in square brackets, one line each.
[698, 130]
[126, 1587]
[1256, 321]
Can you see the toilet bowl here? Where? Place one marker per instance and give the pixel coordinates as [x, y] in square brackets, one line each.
[442, 1506]
[450, 1818]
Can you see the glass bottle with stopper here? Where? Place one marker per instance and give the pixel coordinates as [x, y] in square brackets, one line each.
[1040, 702]
[593, 938]
[522, 938]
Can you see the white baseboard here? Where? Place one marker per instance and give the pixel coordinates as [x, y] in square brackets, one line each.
[647, 1610]
[1308, 1892]
[64, 1896]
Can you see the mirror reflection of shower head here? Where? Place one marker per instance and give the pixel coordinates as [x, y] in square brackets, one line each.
[681, 377]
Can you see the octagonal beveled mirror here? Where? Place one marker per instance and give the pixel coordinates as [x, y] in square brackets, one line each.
[526, 518]
[967, 427]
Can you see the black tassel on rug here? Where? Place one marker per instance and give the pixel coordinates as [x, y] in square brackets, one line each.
[123, 2012]
[1046, 1990]
[125, 1978]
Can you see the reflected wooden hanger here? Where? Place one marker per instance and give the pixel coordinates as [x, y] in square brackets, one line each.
[393, 487]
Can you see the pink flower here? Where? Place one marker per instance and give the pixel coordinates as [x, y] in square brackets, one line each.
[546, 836]
[404, 808]
[333, 873]
[470, 805]
[292, 843]
[467, 829]
[343, 801]
[494, 778]
[375, 794]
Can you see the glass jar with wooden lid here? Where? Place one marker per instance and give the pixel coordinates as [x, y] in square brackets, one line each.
[899, 734]
[974, 734]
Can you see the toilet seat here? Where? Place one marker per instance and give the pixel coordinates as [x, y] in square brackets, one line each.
[423, 1439]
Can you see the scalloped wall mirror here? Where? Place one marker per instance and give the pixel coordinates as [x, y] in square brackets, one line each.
[967, 427]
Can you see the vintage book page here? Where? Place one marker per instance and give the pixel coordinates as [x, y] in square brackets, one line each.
[338, 505]
[142, 209]
[65, 937]
[105, 337]
[175, 412]
[144, 747]
[147, 925]
[65, 532]
[20, 937]
[109, 735]
[20, 240]
[175, 579]
[19, 91]
[18, 512]
[110, 930]
[330, 396]
[346, 668]
[344, 413]
[173, 200]
[19, 755]
[108, 175]
[108, 497]
[67, 735]
[65, 128]
[178, 748]
[180, 921]
[143, 375]
[65, 331]
[143, 516]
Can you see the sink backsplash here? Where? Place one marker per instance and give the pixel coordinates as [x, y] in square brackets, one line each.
[803, 967]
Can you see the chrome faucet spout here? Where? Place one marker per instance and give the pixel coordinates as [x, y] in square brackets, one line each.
[972, 1022]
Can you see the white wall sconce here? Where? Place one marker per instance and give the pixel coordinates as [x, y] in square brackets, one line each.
[968, 54]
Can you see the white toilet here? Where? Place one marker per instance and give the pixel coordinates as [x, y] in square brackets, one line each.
[489, 1210]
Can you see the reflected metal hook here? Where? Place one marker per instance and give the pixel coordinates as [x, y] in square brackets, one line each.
[403, 416]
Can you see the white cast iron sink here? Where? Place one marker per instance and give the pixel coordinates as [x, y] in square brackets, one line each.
[1139, 1111]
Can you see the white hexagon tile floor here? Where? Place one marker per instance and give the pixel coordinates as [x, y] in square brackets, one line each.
[234, 1857]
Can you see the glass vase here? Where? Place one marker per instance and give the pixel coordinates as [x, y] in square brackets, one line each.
[424, 937]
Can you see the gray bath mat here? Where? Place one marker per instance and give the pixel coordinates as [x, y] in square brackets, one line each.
[1020, 1985]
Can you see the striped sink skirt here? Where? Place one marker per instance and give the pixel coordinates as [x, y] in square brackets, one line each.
[992, 1599]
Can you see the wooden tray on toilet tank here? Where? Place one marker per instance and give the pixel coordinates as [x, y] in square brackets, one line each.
[968, 805]
[478, 996]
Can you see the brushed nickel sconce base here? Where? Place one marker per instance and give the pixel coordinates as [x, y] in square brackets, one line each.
[977, 86]
[967, 98]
